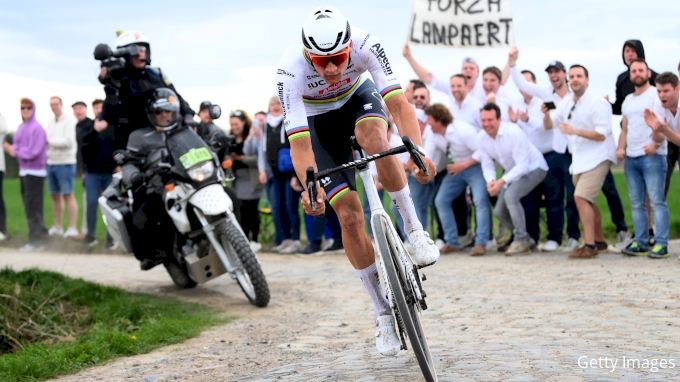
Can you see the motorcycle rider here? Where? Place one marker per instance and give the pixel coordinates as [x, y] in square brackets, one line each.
[126, 100]
[150, 223]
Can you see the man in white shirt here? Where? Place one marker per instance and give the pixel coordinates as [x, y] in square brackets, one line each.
[411, 87]
[529, 118]
[586, 121]
[664, 118]
[506, 144]
[421, 97]
[492, 81]
[645, 153]
[460, 142]
[62, 148]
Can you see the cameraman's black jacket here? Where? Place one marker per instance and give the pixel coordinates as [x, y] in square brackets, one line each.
[125, 107]
[215, 138]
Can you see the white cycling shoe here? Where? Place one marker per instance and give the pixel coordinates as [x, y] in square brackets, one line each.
[424, 249]
[386, 339]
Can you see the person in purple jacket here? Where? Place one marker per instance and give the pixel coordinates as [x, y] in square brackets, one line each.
[30, 149]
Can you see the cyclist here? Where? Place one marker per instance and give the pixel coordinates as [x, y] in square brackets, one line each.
[327, 98]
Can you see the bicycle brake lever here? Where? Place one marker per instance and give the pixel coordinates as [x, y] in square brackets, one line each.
[415, 155]
[311, 187]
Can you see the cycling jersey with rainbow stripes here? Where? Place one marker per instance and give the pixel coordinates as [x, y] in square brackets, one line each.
[304, 93]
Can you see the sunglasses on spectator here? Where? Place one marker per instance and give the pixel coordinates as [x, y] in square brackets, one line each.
[337, 59]
[420, 97]
[237, 114]
[571, 111]
[27, 108]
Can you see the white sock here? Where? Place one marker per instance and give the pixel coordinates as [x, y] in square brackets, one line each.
[371, 279]
[402, 199]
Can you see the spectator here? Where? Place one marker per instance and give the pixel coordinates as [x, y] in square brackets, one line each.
[463, 171]
[97, 142]
[464, 106]
[645, 153]
[248, 188]
[530, 119]
[524, 167]
[62, 147]
[632, 50]
[3, 211]
[666, 107]
[411, 87]
[492, 80]
[276, 171]
[557, 156]
[30, 149]
[586, 120]
[261, 118]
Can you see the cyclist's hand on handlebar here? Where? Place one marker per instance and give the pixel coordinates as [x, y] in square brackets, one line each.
[420, 176]
[320, 202]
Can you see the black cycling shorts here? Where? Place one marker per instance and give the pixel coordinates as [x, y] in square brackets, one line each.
[331, 135]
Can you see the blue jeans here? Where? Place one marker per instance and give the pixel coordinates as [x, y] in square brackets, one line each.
[60, 178]
[451, 188]
[553, 190]
[95, 184]
[316, 226]
[423, 195]
[285, 203]
[646, 176]
[573, 231]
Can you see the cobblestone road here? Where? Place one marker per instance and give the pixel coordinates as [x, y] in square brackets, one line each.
[538, 317]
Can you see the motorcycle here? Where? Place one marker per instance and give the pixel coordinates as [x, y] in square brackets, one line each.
[208, 240]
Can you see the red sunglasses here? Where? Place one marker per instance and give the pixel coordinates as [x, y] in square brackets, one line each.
[337, 59]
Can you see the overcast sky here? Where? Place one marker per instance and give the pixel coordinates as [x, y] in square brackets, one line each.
[227, 52]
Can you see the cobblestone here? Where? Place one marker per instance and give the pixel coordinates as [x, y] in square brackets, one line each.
[528, 318]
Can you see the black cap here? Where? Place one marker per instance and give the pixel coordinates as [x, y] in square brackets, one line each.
[81, 103]
[556, 64]
[205, 105]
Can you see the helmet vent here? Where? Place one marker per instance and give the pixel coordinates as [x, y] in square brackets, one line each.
[322, 17]
[348, 34]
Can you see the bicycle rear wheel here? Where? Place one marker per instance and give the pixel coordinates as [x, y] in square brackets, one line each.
[403, 295]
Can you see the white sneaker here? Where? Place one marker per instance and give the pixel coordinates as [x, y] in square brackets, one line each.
[329, 243]
[281, 246]
[440, 244]
[425, 252]
[550, 246]
[624, 242]
[491, 245]
[31, 248]
[255, 246]
[54, 231]
[294, 247]
[71, 232]
[571, 246]
[3, 237]
[386, 339]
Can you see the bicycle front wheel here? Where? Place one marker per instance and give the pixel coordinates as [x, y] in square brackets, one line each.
[403, 295]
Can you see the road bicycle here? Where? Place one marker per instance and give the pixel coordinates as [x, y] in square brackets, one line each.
[401, 279]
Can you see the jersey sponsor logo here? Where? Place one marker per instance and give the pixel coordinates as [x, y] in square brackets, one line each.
[285, 73]
[364, 42]
[379, 53]
[312, 76]
[316, 84]
[279, 86]
[325, 181]
[368, 106]
[335, 87]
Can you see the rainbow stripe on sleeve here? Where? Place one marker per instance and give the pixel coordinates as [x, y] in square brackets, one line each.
[371, 117]
[298, 132]
[390, 91]
[337, 193]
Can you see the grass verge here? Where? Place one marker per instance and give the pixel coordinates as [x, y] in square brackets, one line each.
[52, 325]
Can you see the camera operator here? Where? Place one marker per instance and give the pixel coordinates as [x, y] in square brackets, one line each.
[128, 88]
[211, 133]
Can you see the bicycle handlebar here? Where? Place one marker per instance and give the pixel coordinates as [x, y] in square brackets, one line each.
[408, 147]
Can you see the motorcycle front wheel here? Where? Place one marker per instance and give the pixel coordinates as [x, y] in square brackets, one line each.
[249, 275]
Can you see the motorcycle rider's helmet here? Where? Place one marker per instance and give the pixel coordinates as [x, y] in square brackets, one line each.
[326, 31]
[127, 38]
[163, 109]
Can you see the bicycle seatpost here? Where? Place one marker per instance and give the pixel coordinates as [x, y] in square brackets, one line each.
[412, 149]
[311, 187]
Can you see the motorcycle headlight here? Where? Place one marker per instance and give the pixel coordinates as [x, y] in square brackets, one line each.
[200, 173]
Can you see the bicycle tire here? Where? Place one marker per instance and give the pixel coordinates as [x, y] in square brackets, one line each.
[399, 285]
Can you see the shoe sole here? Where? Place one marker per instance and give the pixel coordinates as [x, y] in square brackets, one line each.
[635, 254]
[659, 256]
[320, 253]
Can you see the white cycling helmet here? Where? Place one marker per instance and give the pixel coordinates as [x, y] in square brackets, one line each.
[326, 31]
[130, 37]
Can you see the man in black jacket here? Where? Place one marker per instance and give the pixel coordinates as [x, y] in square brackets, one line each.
[632, 50]
[126, 98]
[96, 149]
